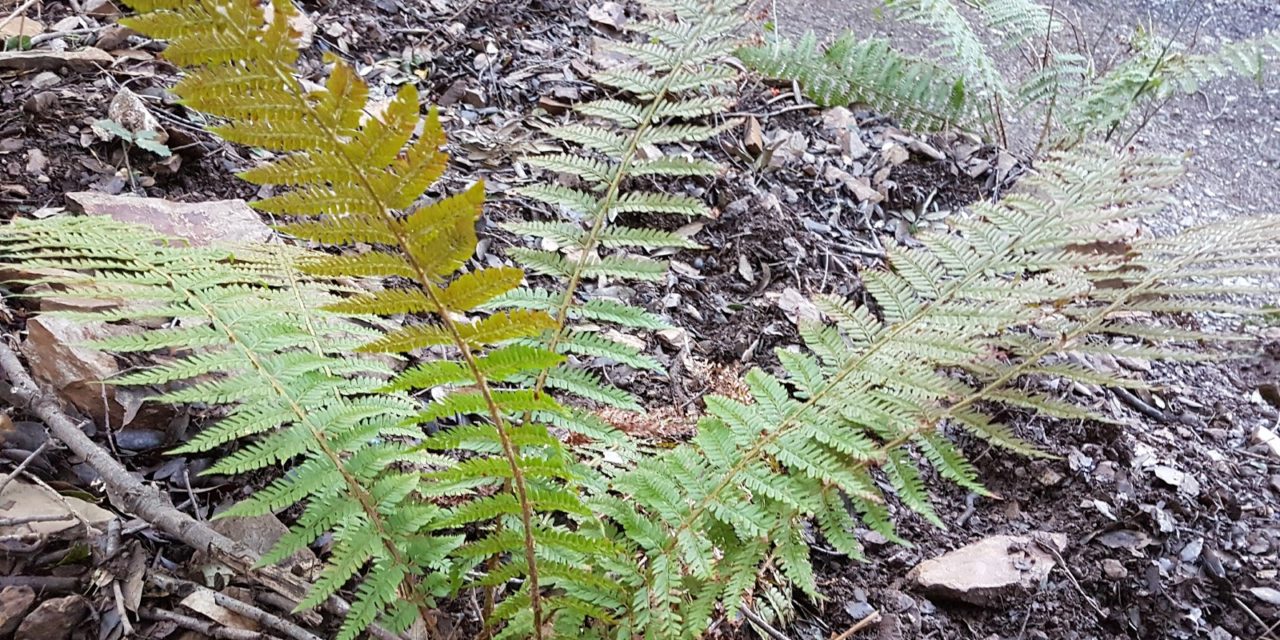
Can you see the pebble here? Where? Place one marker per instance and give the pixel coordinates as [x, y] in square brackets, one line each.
[1114, 570]
[45, 79]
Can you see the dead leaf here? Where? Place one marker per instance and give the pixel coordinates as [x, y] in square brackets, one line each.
[798, 308]
[21, 26]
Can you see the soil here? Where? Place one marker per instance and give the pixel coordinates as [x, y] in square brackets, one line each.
[1189, 557]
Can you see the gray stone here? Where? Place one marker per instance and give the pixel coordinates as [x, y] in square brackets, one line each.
[985, 572]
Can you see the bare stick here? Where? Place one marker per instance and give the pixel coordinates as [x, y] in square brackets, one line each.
[208, 628]
[762, 624]
[13, 474]
[16, 12]
[13, 522]
[868, 620]
[240, 607]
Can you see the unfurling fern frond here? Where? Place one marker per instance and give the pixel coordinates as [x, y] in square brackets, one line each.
[919, 94]
[351, 177]
[962, 324]
[672, 85]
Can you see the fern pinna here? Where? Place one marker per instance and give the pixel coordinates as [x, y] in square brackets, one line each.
[673, 79]
[353, 181]
[960, 323]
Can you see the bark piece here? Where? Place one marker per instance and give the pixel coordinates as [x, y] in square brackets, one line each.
[15, 602]
[54, 619]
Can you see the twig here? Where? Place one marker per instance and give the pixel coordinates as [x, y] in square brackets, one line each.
[13, 522]
[207, 628]
[56, 584]
[1048, 546]
[762, 624]
[16, 12]
[866, 621]
[1266, 634]
[184, 588]
[13, 474]
[145, 501]
[1139, 405]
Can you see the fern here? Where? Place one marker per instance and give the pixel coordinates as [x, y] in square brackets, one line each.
[286, 373]
[1159, 71]
[962, 322]
[354, 181]
[672, 84]
[920, 94]
[1058, 89]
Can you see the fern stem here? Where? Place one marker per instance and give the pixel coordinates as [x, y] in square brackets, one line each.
[606, 204]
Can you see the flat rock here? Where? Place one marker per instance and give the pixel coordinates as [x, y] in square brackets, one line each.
[15, 602]
[86, 59]
[54, 619]
[987, 571]
[55, 514]
[220, 222]
[55, 348]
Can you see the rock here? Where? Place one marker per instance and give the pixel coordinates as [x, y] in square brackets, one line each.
[54, 619]
[893, 154]
[101, 9]
[610, 14]
[86, 59]
[130, 112]
[21, 26]
[675, 337]
[45, 80]
[15, 602]
[55, 348]
[1114, 569]
[1265, 594]
[839, 119]
[1269, 438]
[219, 222]
[984, 572]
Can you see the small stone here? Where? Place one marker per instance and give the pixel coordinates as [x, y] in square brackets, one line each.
[54, 619]
[894, 154]
[101, 9]
[985, 572]
[45, 80]
[130, 112]
[1114, 569]
[15, 602]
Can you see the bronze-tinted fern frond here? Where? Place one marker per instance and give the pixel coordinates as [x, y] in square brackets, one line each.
[355, 179]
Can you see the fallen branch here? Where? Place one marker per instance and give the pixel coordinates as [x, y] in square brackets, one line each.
[868, 620]
[185, 588]
[205, 627]
[23, 465]
[145, 501]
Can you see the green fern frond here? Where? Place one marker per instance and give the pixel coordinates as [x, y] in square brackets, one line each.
[675, 77]
[920, 94]
[349, 175]
[881, 391]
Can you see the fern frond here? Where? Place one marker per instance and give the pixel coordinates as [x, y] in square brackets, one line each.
[353, 175]
[676, 77]
[880, 392]
[920, 94]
